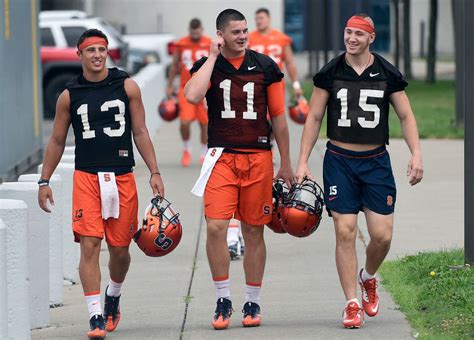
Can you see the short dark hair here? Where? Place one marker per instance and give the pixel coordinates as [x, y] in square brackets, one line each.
[195, 23]
[93, 32]
[263, 10]
[362, 15]
[228, 15]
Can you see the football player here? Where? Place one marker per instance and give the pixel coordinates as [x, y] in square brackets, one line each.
[277, 45]
[105, 109]
[357, 88]
[240, 86]
[189, 49]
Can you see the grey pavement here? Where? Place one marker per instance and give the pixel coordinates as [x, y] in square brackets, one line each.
[301, 296]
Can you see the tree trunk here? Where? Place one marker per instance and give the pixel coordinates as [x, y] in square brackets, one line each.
[431, 62]
[397, 33]
[406, 40]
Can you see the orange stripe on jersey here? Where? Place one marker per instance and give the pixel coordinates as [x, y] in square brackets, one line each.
[276, 99]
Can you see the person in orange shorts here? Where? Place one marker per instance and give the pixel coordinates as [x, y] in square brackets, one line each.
[105, 109]
[240, 86]
[188, 50]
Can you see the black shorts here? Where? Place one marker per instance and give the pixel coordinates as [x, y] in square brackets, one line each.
[354, 180]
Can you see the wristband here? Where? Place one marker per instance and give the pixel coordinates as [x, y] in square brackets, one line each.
[296, 85]
[154, 173]
[43, 182]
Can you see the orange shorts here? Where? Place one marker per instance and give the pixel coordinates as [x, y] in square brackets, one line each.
[87, 214]
[190, 112]
[241, 184]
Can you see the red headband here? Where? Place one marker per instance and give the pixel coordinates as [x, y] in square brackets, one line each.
[91, 41]
[359, 22]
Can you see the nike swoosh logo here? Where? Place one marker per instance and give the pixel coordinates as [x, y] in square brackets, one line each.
[332, 198]
[373, 74]
[251, 68]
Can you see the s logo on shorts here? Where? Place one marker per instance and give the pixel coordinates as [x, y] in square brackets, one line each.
[389, 200]
[267, 210]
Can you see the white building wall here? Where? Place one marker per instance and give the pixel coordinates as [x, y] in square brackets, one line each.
[420, 12]
[173, 16]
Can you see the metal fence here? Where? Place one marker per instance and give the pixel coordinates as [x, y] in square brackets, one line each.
[20, 88]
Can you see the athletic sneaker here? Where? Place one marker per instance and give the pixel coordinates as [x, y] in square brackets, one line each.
[352, 316]
[97, 325]
[370, 298]
[111, 311]
[186, 159]
[252, 317]
[221, 319]
[233, 251]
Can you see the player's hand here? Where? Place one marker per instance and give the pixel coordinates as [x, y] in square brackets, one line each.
[302, 171]
[216, 45]
[298, 92]
[170, 91]
[415, 169]
[286, 173]
[45, 194]
[157, 186]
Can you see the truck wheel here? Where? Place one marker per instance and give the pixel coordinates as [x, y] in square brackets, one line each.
[52, 89]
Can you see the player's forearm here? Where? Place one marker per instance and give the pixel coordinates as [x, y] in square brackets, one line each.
[52, 156]
[196, 88]
[282, 137]
[292, 71]
[308, 138]
[410, 133]
[172, 74]
[146, 150]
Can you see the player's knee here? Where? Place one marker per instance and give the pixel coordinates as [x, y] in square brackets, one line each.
[90, 248]
[383, 241]
[216, 229]
[119, 254]
[345, 233]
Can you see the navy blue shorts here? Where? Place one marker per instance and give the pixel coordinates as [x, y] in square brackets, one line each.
[354, 180]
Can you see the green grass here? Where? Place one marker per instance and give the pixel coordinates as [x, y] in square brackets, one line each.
[437, 301]
[433, 105]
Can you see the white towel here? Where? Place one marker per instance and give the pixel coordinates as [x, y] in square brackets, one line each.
[212, 155]
[109, 196]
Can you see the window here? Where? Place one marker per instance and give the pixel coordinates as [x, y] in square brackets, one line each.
[47, 37]
[72, 34]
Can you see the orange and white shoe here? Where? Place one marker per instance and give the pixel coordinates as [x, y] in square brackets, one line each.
[221, 319]
[111, 311]
[353, 316]
[252, 317]
[186, 158]
[370, 298]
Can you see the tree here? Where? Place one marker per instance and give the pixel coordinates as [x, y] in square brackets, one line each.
[397, 33]
[431, 62]
[406, 40]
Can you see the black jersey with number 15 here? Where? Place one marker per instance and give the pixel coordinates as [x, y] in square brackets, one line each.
[100, 117]
[358, 106]
[237, 101]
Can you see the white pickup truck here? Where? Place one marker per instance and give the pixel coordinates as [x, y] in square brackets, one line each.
[161, 43]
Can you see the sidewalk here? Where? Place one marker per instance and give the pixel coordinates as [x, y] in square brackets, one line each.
[301, 296]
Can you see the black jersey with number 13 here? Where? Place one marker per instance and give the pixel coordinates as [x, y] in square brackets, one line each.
[358, 106]
[100, 117]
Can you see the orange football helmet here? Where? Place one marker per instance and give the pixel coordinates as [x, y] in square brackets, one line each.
[161, 230]
[303, 208]
[169, 108]
[299, 110]
[279, 193]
